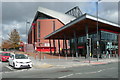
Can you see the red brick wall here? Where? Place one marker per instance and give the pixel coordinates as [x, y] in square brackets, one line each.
[46, 27]
[32, 36]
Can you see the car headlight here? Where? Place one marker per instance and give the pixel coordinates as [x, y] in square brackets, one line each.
[17, 62]
[29, 62]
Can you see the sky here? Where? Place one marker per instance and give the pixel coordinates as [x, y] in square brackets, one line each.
[15, 13]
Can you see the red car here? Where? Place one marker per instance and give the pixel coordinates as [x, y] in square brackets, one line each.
[4, 56]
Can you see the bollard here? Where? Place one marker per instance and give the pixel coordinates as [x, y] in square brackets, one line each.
[36, 56]
[72, 57]
[44, 57]
[108, 55]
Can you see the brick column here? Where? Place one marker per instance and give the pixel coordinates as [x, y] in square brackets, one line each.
[32, 36]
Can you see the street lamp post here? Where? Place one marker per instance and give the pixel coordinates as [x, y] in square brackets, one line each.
[97, 30]
[27, 22]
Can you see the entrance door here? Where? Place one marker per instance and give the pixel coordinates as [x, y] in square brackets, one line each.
[81, 51]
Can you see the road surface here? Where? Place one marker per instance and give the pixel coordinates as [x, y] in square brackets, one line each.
[93, 71]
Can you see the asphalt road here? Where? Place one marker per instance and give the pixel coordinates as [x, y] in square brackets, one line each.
[5, 67]
[96, 71]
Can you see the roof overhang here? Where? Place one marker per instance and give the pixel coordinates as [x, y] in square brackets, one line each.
[78, 25]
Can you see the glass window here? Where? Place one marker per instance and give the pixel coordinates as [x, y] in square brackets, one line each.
[39, 29]
[38, 35]
[108, 36]
[38, 40]
[5, 54]
[20, 56]
[12, 56]
[47, 44]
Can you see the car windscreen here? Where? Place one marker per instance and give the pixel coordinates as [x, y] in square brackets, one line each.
[20, 56]
[5, 54]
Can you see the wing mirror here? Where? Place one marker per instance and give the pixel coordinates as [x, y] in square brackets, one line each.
[12, 58]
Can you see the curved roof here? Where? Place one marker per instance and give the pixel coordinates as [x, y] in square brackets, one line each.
[79, 24]
[64, 18]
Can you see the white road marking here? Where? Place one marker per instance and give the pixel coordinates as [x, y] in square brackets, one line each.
[78, 73]
[9, 68]
[66, 76]
[86, 72]
[97, 71]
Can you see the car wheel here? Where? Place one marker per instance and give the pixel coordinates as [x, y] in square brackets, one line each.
[14, 65]
[9, 64]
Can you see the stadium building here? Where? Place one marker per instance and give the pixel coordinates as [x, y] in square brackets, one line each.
[74, 33]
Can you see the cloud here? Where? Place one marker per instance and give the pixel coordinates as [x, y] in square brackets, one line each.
[109, 11]
[58, 0]
[17, 11]
[15, 14]
[21, 28]
[0, 39]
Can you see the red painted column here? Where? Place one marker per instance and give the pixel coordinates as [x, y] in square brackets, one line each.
[119, 44]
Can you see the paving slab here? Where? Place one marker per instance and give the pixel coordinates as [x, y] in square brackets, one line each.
[48, 63]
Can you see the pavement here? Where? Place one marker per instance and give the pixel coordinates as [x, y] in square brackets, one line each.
[50, 61]
[70, 62]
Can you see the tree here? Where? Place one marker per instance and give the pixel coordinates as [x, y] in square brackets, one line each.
[14, 39]
[6, 44]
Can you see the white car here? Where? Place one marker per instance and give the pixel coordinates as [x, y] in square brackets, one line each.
[19, 61]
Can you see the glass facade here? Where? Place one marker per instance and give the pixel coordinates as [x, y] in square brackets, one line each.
[108, 36]
[108, 43]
